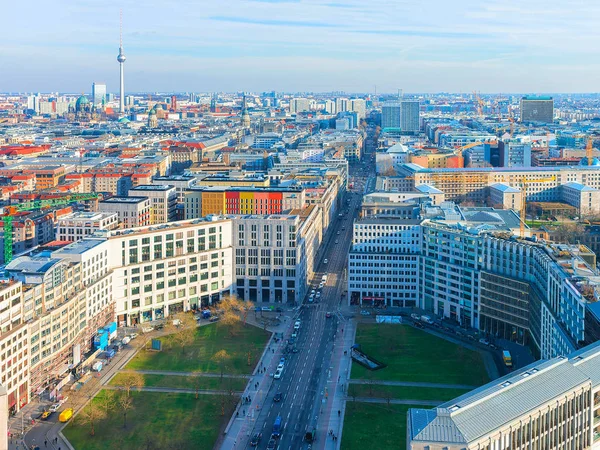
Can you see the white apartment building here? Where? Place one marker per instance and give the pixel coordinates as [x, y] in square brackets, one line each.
[78, 225]
[385, 250]
[163, 201]
[359, 106]
[132, 211]
[550, 404]
[298, 105]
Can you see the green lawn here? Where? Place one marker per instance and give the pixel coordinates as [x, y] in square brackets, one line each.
[185, 382]
[404, 392]
[197, 357]
[369, 425]
[414, 355]
[157, 421]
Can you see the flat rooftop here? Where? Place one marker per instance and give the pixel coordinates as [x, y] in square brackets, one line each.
[152, 187]
[129, 200]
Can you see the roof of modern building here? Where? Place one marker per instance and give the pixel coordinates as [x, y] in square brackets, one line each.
[79, 247]
[427, 189]
[496, 404]
[32, 264]
[579, 187]
[505, 188]
[129, 200]
[152, 187]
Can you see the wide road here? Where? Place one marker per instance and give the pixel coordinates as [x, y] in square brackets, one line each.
[305, 375]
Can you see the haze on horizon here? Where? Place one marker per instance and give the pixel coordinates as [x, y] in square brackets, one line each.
[303, 45]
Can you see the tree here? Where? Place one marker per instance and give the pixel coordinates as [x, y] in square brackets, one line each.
[232, 312]
[132, 380]
[125, 404]
[221, 358]
[197, 383]
[107, 401]
[91, 415]
[183, 328]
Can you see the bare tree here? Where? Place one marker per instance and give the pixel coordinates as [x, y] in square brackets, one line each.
[232, 312]
[131, 380]
[91, 415]
[221, 358]
[125, 404]
[107, 401]
[183, 328]
[197, 383]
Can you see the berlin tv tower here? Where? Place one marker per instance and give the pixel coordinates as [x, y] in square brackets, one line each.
[121, 58]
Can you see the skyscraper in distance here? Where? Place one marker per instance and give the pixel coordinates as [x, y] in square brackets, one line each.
[390, 115]
[98, 93]
[537, 109]
[121, 58]
[409, 116]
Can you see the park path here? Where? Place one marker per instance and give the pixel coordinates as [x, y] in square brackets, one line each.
[395, 401]
[184, 374]
[413, 384]
[173, 390]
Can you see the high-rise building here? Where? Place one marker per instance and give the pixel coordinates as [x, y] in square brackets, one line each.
[298, 105]
[537, 109]
[121, 58]
[390, 115]
[359, 106]
[341, 105]
[98, 93]
[409, 116]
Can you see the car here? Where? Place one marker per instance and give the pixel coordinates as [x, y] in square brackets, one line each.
[271, 445]
[160, 326]
[415, 316]
[147, 329]
[280, 366]
[338, 233]
[291, 340]
[318, 295]
[365, 313]
[278, 373]
[311, 299]
[328, 314]
[321, 285]
[214, 319]
[45, 415]
[343, 228]
[484, 341]
[337, 242]
[282, 360]
[133, 335]
[312, 292]
[255, 439]
[278, 397]
[54, 407]
[325, 261]
[294, 349]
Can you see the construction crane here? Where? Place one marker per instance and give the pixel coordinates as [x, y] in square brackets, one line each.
[480, 103]
[524, 182]
[12, 210]
[589, 151]
[459, 150]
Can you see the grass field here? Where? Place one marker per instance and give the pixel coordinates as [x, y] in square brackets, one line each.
[187, 382]
[370, 426]
[414, 355]
[197, 357]
[404, 392]
[157, 421]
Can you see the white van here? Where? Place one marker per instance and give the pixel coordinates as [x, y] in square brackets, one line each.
[297, 325]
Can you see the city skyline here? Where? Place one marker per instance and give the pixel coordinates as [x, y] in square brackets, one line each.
[305, 45]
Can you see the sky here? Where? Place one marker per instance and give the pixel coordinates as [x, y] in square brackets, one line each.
[495, 46]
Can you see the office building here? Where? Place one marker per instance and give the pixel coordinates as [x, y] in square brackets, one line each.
[550, 404]
[537, 109]
[391, 113]
[98, 94]
[163, 201]
[410, 111]
[79, 225]
[359, 106]
[131, 211]
[341, 105]
[298, 105]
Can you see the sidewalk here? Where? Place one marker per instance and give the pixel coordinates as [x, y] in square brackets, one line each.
[342, 365]
[240, 426]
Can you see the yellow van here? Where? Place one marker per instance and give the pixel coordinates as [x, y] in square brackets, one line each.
[66, 415]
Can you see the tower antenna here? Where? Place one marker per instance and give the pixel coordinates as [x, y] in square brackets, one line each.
[121, 28]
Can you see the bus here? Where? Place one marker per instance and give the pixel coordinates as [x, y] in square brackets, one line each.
[507, 358]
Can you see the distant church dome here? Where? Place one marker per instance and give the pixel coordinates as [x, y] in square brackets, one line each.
[82, 103]
[584, 162]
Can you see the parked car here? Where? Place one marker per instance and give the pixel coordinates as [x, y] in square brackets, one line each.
[328, 314]
[271, 445]
[415, 316]
[365, 313]
[325, 261]
[147, 329]
[484, 341]
[133, 335]
[278, 373]
[336, 241]
[214, 319]
[255, 439]
[45, 415]
[277, 397]
[282, 361]
[54, 407]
